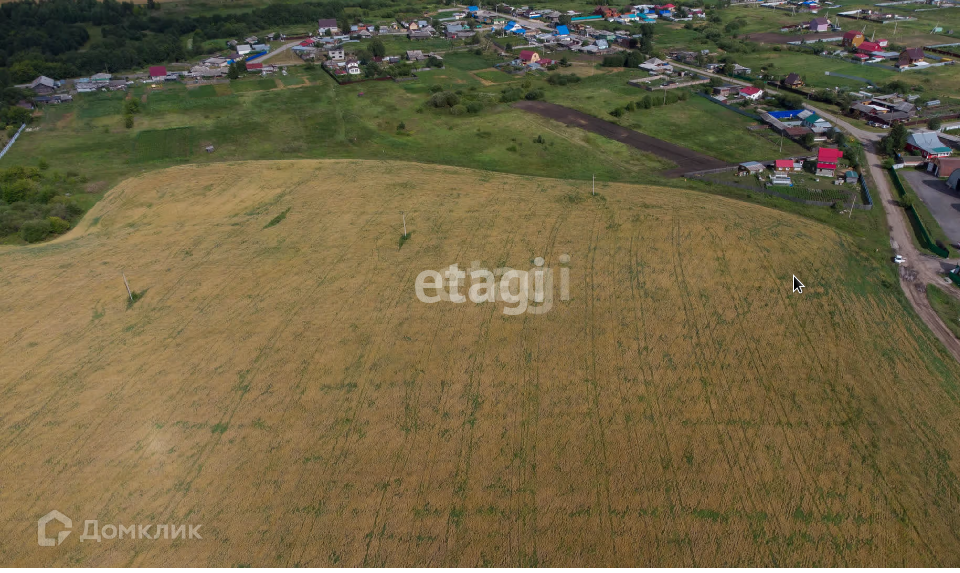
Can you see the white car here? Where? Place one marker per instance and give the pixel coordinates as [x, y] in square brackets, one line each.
[899, 259]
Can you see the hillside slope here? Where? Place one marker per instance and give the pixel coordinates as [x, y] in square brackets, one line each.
[282, 385]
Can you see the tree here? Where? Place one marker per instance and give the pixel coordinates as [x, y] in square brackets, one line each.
[808, 140]
[128, 121]
[233, 73]
[377, 48]
[934, 123]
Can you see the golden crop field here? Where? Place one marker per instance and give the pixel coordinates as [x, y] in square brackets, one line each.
[283, 387]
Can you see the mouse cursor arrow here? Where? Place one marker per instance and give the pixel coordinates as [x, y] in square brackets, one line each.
[797, 285]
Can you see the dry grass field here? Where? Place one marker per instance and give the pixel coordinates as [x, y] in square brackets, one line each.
[282, 385]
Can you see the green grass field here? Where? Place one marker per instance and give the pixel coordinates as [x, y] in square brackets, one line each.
[252, 85]
[203, 92]
[946, 307]
[164, 144]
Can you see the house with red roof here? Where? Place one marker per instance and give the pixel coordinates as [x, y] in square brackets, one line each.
[827, 159]
[254, 66]
[869, 47]
[606, 12]
[529, 57]
[157, 73]
[751, 93]
[853, 38]
[784, 165]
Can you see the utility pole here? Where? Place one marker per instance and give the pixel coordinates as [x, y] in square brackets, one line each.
[594, 184]
[126, 284]
[850, 216]
[781, 142]
[404, 216]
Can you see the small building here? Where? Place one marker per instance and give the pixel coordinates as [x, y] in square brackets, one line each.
[787, 165]
[750, 167]
[927, 144]
[415, 55]
[325, 25]
[819, 25]
[656, 66]
[254, 66]
[157, 73]
[827, 160]
[851, 176]
[944, 166]
[244, 49]
[43, 85]
[869, 47]
[793, 80]
[335, 54]
[751, 93]
[781, 181]
[529, 57]
[853, 38]
[909, 57]
[725, 90]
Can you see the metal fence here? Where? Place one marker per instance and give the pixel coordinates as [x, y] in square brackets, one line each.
[12, 140]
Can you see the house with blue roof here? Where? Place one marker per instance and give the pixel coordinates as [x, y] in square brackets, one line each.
[563, 31]
[473, 9]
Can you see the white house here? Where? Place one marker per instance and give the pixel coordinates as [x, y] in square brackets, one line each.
[335, 53]
[751, 93]
[244, 49]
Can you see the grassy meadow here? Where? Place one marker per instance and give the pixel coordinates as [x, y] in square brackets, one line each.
[682, 408]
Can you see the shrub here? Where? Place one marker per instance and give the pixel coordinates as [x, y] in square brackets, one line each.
[474, 107]
[458, 109]
[617, 112]
[58, 225]
[510, 94]
[35, 231]
[631, 106]
[435, 88]
[534, 95]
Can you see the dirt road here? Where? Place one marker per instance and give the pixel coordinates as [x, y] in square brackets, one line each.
[686, 159]
[928, 270]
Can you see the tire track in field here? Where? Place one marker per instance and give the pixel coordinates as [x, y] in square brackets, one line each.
[474, 401]
[726, 385]
[599, 437]
[653, 406]
[839, 405]
[701, 359]
[411, 436]
[325, 486]
[427, 473]
[773, 398]
[83, 438]
[621, 303]
[196, 466]
[530, 403]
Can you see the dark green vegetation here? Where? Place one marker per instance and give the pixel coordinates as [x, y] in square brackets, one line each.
[37, 203]
[946, 307]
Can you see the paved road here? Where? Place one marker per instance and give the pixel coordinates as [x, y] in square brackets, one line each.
[686, 159]
[943, 202]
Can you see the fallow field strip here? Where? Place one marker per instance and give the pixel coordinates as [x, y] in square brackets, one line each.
[282, 385]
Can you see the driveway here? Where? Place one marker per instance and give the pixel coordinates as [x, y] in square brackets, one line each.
[943, 202]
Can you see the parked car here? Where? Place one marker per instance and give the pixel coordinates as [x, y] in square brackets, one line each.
[899, 259]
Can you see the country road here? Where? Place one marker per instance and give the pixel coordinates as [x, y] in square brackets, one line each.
[929, 269]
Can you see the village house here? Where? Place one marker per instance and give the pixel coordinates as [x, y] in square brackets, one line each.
[751, 93]
[157, 73]
[787, 165]
[725, 90]
[827, 160]
[792, 80]
[244, 49]
[657, 66]
[909, 57]
[415, 55]
[852, 38]
[750, 168]
[818, 25]
[528, 57]
[43, 85]
[927, 145]
[335, 53]
[325, 25]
